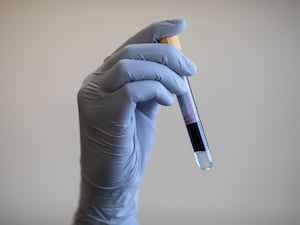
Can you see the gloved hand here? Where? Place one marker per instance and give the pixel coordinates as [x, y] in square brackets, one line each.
[118, 105]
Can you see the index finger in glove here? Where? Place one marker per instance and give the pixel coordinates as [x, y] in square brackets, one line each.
[156, 31]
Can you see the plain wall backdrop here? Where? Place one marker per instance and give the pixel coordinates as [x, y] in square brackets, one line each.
[247, 92]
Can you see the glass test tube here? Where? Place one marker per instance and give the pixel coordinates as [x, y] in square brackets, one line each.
[191, 118]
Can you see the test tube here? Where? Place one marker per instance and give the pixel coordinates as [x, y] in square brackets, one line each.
[191, 118]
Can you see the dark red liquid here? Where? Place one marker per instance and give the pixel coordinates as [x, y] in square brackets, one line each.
[195, 136]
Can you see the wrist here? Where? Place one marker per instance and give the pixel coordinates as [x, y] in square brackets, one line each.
[106, 206]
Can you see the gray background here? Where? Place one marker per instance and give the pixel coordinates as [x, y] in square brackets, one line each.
[246, 88]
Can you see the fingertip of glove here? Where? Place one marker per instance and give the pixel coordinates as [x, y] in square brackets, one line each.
[189, 68]
[178, 21]
[169, 102]
[180, 25]
[193, 68]
[168, 28]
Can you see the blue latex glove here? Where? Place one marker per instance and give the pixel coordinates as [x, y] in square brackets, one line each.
[118, 105]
